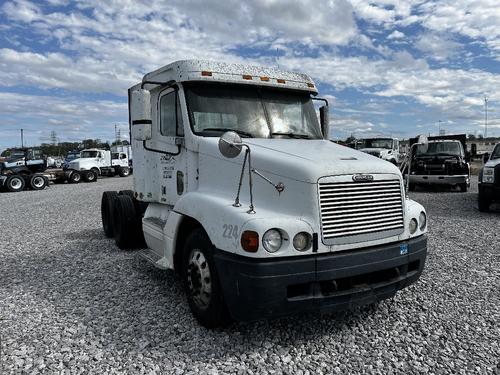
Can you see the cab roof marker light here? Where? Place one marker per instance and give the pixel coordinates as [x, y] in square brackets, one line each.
[247, 77]
[279, 80]
[206, 73]
[311, 85]
[264, 79]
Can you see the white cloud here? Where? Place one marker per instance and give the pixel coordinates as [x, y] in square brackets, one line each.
[396, 35]
[437, 47]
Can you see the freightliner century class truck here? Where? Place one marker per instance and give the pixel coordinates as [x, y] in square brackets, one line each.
[238, 189]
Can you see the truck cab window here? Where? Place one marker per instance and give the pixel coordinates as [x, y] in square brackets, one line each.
[170, 115]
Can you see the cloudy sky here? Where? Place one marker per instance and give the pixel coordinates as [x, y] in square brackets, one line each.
[389, 67]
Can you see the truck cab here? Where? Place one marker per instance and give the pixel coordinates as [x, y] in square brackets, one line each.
[101, 162]
[383, 148]
[238, 189]
[489, 181]
[440, 162]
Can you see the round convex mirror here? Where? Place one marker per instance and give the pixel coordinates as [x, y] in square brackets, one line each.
[422, 140]
[230, 144]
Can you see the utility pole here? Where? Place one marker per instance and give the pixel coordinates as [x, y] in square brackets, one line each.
[485, 117]
[22, 139]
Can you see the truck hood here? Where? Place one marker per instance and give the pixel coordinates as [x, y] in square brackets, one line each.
[492, 163]
[305, 160]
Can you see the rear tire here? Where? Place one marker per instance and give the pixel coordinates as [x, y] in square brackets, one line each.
[38, 182]
[483, 203]
[75, 177]
[204, 293]
[107, 200]
[127, 224]
[96, 171]
[15, 183]
[89, 176]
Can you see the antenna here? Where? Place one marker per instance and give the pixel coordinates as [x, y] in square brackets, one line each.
[22, 139]
[485, 117]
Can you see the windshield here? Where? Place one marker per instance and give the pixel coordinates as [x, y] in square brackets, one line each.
[251, 112]
[496, 152]
[17, 155]
[440, 148]
[89, 154]
[72, 156]
[375, 143]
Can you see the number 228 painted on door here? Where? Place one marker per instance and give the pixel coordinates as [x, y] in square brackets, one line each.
[230, 231]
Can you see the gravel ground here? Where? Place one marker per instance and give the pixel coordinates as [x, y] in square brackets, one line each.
[72, 302]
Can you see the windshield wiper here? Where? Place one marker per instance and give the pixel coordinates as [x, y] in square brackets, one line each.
[293, 135]
[240, 132]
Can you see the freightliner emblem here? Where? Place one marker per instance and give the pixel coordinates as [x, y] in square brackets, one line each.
[362, 177]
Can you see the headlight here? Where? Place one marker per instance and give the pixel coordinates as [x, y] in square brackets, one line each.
[422, 220]
[302, 241]
[488, 175]
[413, 226]
[272, 240]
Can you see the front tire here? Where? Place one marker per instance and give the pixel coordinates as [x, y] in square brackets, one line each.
[123, 172]
[89, 176]
[204, 293]
[75, 177]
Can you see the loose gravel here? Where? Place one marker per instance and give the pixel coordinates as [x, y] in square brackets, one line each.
[71, 302]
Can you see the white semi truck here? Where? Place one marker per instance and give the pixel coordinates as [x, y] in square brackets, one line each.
[101, 162]
[383, 148]
[238, 189]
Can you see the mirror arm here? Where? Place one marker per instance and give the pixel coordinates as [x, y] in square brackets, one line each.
[321, 100]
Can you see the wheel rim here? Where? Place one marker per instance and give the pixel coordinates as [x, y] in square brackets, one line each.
[91, 176]
[199, 279]
[76, 177]
[38, 182]
[16, 183]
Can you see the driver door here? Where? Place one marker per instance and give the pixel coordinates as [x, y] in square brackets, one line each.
[172, 163]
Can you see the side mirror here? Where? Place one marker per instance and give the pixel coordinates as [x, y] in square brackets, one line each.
[140, 115]
[324, 118]
[230, 144]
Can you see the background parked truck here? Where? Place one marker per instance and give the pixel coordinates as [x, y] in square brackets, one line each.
[101, 162]
[239, 190]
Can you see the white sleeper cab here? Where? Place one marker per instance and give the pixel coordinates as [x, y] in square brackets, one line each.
[238, 189]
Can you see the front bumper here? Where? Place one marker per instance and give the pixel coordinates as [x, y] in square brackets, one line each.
[490, 191]
[440, 179]
[260, 288]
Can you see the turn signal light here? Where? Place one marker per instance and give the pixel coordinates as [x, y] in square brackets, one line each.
[250, 241]
[206, 74]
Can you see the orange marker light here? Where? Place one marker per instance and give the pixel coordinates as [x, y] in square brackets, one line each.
[247, 76]
[264, 79]
[206, 74]
[281, 81]
[250, 241]
[310, 85]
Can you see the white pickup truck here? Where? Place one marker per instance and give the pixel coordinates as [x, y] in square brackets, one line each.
[101, 162]
[383, 148]
[238, 189]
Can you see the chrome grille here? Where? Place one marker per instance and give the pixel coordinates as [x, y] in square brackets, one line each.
[353, 209]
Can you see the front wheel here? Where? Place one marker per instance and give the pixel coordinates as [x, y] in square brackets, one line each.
[204, 292]
[123, 172]
[75, 177]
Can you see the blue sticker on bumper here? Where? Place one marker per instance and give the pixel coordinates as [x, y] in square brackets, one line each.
[403, 249]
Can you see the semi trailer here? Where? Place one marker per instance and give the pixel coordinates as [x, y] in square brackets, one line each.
[238, 189]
